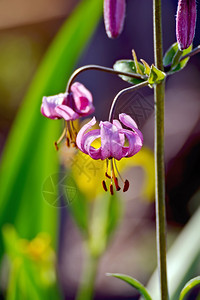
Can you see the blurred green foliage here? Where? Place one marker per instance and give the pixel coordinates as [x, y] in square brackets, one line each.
[29, 156]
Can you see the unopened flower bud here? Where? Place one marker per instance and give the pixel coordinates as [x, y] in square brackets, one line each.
[185, 23]
[114, 15]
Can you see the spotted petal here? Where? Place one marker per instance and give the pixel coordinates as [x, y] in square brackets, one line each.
[82, 132]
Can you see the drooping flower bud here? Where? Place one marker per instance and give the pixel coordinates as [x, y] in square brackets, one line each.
[185, 23]
[114, 15]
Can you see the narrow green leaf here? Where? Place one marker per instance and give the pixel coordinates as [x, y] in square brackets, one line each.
[189, 285]
[128, 66]
[147, 68]
[138, 70]
[134, 283]
[169, 58]
[29, 156]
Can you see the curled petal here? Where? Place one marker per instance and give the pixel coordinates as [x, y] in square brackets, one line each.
[114, 15]
[81, 133]
[119, 126]
[110, 141]
[66, 112]
[135, 143]
[50, 103]
[129, 122]
[88, 139]
[82, 99]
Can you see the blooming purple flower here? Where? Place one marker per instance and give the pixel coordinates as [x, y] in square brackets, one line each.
[112, 137]
[114, 15]
[69, 106]
[185, 23]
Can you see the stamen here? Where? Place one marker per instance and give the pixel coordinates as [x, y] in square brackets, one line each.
[106, 173]
[116, 184]
[126, 186]
[73, 129]
[72, 134]
[104, 185]
[111, 189]
[114, 177]
[69, 130]
[60, 139]
[118, 172]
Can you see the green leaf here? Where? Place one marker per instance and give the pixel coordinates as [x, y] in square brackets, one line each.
[29, 156]
[156, 76]
[189, 285]
[105, 217]
[134, 283]
[128, 66]
[169, 57]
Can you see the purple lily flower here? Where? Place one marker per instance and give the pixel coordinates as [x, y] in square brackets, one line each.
[69, 106]
[114, 15]
[185, 23]
[112, 148]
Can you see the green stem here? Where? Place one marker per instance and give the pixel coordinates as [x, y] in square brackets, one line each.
[159, 95]
[86, 288]
[103, 69]
[123, 92]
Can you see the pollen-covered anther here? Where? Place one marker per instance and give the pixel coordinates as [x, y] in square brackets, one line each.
[108, 176]
[111, 189]
[126, 186]
[67, 142]
[56, 146]
[104, 185]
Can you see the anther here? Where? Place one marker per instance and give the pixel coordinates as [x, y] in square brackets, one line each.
[56, 146]
[111, 189]
[126, 186]
[108, 176]
[104, 185]
[67, 142]
[73, 144]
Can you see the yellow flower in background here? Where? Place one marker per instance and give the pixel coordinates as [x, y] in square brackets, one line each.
[37, 256]
[145, 160]
[89, 173]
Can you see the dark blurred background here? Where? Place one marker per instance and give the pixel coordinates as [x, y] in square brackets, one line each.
[26, 30]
